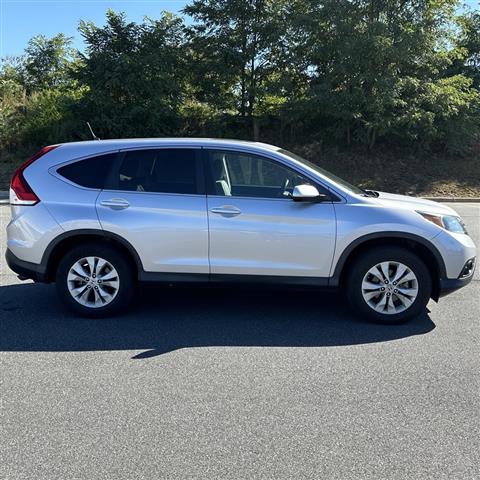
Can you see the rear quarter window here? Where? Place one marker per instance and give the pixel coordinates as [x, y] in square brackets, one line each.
[91, 172]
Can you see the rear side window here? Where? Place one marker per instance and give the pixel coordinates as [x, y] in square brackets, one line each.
[91, 172]
[160, 170]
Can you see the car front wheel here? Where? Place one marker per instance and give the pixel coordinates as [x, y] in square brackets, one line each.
[389, 285]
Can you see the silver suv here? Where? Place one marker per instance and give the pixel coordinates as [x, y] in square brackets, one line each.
[98, 217]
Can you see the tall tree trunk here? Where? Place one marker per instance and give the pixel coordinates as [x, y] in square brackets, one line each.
[251, 89]
[244, 70]
[243, 100]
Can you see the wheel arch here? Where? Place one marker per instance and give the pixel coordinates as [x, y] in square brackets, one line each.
[426, 251]
[53, 253]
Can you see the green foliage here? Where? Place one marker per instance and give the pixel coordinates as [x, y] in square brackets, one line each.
[340, 72]
[12, 97]
[444, 112]
[133, 74]
[467, 43]
[239, 41]
[47, 62]
[49, 118]
[363, 51]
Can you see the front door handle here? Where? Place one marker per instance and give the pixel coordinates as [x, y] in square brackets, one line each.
[115, 203]
[226, 210]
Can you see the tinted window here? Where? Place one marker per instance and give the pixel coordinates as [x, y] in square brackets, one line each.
[90, 173]
[162, 170]
[246, 175]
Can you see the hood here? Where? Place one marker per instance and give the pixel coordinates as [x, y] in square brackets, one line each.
[414, 203]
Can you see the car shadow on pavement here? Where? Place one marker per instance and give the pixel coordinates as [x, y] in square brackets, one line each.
[167, 319]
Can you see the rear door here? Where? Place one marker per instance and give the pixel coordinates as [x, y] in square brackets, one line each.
[155, 200]
[256, 228]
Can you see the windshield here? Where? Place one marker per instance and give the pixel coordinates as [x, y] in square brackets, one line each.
[324, 172]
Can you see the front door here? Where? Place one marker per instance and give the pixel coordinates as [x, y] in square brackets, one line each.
[256, 228]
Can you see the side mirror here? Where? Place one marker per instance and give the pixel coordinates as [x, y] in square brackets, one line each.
[307, 193]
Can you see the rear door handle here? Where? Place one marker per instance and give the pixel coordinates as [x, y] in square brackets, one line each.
[226, 210]
[115, 203]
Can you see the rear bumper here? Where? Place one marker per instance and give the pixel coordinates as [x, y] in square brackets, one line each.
[24, 269]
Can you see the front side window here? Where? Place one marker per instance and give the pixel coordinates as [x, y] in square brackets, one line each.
[247, 175]
[158, 170]
[325, 173]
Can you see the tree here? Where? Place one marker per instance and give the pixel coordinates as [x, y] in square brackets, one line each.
[467, 43]
[12, 98]
[47, 62]
[238, 42]
[404, 73]
[361, 51]
[134, 75]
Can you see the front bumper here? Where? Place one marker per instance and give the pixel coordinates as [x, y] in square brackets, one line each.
[26, 270]
[450, 285]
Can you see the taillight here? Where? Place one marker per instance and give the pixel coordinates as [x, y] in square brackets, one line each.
[20, 191]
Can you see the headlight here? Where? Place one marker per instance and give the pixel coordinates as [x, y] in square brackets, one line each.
[448, 222]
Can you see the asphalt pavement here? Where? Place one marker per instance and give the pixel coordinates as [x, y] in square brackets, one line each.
[206, 384]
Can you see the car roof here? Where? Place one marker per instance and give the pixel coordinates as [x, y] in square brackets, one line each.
[174, 141]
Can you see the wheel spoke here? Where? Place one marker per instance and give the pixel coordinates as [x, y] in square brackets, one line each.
[380, 306]
[406, 301]
[112, 275]
[409, 292]
[401, 269]
[384, 268]
[408, 277]
[110, 283]
[390, 305]
[79, 270]
[104, 294]
[377, 273]
[98, 298]
[83, 297]
[100, 266]
[367, 285]
[74, 276]
[78, 291]
[91, 264]
[372, 294]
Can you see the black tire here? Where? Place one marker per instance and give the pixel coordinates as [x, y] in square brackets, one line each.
[126, 286]
[369, 259]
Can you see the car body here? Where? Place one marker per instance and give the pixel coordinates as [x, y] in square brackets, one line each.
[207, 210]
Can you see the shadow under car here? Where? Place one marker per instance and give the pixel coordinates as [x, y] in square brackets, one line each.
[171, 318]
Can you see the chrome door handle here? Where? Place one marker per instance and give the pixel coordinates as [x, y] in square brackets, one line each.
[115, 203]
[226, 210]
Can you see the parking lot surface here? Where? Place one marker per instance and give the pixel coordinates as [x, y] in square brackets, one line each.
[214, 383]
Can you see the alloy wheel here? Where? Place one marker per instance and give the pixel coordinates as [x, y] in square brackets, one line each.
[390, 287]
[93, 282]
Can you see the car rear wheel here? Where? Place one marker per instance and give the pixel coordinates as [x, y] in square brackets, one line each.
[389, 285]
[95, 280]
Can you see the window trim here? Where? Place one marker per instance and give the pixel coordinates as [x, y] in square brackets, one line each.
[199, 171]
[209, 180]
